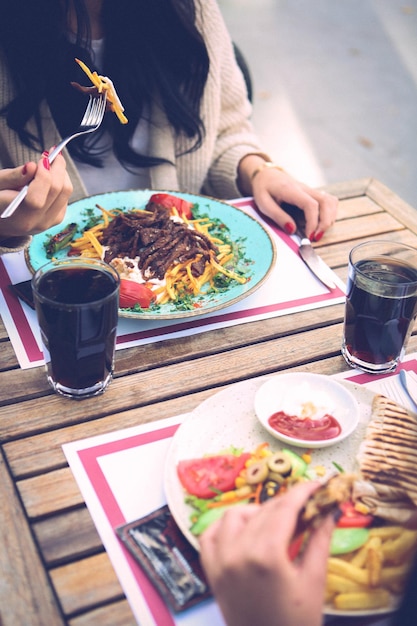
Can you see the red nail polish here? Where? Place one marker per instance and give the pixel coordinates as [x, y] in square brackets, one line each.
[289, 228]
[318, 236]
[25, 169]
[46, 163]
[45, 153]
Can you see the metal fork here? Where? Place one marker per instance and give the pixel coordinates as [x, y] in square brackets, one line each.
[91, 121]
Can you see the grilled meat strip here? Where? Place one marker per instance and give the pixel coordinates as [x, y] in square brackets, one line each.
[158, 241]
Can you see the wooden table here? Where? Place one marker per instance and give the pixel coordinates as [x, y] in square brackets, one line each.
[53, 567]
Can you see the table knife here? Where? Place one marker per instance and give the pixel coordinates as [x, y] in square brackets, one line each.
[314, 262]
[410, 385]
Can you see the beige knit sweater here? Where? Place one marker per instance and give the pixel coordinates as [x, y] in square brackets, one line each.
[225, 110]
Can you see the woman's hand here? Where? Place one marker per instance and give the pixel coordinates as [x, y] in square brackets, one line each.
[46, 201]
[271, 186]
[245, 557]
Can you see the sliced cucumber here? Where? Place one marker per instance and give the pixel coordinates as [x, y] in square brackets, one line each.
[346, 540]
[299, 466]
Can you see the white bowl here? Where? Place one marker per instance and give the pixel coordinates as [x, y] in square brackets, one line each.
[291, 393]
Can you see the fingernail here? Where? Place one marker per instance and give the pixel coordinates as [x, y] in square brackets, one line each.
[289, 228]
[25, 169]
[46, 163]
[318, 236]
[45, 153]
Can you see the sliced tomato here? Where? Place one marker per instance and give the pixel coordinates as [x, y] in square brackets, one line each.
[206, 476]
[351, 518]
[183, 207]
[132, 293]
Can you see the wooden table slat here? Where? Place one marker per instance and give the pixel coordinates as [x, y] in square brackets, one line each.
[49, 492]
[360, 227]
[67, 536]
[25, 596]
[356, 207]
[115, 614]
[86, 583]
[32, 382]
[338, 256]
[161, 384]
[389, 201]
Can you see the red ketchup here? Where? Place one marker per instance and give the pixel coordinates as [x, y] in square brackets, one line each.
[326, 427]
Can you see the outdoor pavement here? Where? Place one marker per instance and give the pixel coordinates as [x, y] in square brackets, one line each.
[335, 86]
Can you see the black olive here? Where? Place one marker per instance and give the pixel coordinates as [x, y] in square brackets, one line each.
[269, 490]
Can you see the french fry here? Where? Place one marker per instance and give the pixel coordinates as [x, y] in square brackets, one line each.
[102, 83]
[339, 584]
[359, 557]
[386, 532]
[347, 570]
[374, 561]
[397, 549]
[362, 600]
[394, 574]
[367, 578]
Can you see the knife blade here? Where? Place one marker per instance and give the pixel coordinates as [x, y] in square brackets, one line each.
[410, 385]
[314, 262]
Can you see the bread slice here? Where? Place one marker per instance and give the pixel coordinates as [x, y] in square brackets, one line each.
[387, 456]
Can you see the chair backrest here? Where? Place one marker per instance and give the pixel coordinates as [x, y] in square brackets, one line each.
[244, 67]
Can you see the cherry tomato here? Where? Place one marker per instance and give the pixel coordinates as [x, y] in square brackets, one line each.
[351, 518]
[167, 200]
[132, 293]
[206, 476]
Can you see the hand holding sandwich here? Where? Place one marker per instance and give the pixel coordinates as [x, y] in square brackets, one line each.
[246, 558]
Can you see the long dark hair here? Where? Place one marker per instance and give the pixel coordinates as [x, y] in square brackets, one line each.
[152, 49]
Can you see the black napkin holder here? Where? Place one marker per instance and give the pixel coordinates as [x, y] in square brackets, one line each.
[169, 560]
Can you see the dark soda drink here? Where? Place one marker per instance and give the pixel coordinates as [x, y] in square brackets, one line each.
[381, 304]
[77, 309]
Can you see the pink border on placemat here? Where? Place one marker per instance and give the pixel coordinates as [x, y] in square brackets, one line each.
[19, 318]
[204, 321]
[89, 460]
[364, 378]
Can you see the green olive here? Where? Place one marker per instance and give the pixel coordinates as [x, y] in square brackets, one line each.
[278, 478]
[256, 473]
[279, 463]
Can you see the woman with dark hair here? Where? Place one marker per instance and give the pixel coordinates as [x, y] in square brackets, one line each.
[173, 65]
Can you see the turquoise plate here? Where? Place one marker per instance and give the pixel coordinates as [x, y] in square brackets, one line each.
[258, 245]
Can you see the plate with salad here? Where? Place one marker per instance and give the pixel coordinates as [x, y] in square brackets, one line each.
[226, 425]
[223, 435]
[178, 255]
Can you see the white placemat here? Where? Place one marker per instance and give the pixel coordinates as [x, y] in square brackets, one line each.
[110, 472]
[290, 287]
